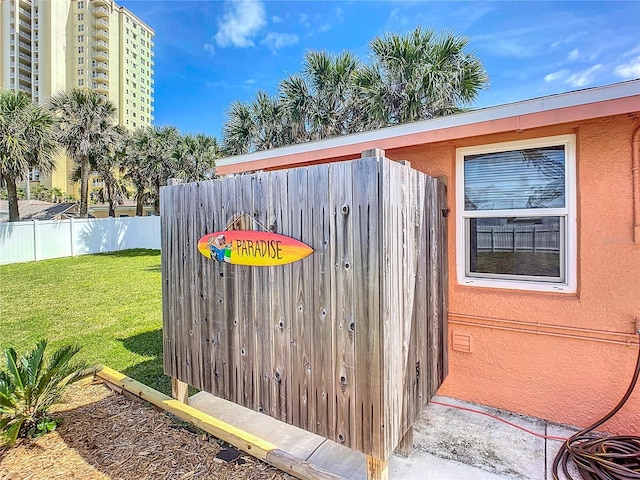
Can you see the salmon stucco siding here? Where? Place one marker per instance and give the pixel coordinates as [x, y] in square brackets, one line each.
[564, 357]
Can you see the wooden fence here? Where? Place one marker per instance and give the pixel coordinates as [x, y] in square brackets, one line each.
[348, 343]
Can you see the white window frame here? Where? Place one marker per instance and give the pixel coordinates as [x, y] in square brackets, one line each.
[568, 257]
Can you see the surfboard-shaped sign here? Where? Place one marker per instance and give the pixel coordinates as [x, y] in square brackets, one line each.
[252, 247]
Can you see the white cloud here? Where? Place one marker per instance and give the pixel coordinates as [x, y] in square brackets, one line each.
[574, 54]
[276, 41]
[209, 48]
[276, 19]
[241, 23]
[324, 27]
[338, 14]
[633, 51]
[629, 70]
[583, 78]
[568, 39]
[304, 19]
[513, 48]
[559, 75]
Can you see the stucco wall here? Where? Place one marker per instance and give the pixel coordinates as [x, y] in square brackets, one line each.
[564, 357]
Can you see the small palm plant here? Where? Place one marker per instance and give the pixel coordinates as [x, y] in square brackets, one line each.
[28, 388]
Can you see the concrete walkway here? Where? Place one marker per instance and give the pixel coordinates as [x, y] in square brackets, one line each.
[448, 443]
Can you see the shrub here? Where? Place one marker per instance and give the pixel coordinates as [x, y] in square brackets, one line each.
[28, 388]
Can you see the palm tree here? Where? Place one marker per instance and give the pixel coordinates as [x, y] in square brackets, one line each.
[107, 165]
[132, 165]
[416, 77]
[150, 161]
[259, 125]
[86, 124]
[319, 102]
[237, 131]
[26, 142]
[195, 157]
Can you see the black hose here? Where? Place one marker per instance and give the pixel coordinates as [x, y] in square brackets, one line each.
[602, 458]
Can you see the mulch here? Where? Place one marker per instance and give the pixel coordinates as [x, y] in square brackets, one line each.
[108, 436]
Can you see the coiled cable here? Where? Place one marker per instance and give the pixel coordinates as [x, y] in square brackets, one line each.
[602, 458]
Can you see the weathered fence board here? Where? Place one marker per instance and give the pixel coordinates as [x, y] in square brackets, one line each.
[349, 342]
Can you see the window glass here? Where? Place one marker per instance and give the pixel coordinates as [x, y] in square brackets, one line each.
[522, 246]
[519, 179]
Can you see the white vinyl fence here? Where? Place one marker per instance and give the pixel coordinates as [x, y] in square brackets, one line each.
[44, 239]
[521, 238]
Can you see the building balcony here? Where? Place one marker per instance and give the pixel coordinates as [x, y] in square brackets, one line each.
[100, 75]
[25, 56]
[25, 14]
[100, 66]
[101, 45]
[26, 78]
[101, 23]
[24, 67]
[25, 35]
[25, 46]
[101, 55]
[101, 12]
[26, 24]
[24, 88]
[100, 3]
[100, 87]
[101, 34]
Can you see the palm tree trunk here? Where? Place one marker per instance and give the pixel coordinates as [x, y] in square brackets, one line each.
[156, 202]
[139, 198]
[84, 187]
[12, 196]
[109, 187]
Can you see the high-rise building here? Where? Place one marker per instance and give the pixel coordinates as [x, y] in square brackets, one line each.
[47, 46]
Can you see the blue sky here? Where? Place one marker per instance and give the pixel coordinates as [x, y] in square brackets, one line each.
[209, 53]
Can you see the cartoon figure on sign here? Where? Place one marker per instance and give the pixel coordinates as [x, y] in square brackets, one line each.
[219, 249]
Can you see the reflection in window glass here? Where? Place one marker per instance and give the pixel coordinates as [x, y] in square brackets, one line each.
[523, 246]
[518, 179]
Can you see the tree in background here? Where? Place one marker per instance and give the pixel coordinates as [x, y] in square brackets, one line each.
[412, 77]
[85, 127]
[259, 125]
[26, 142]
[195, 157]
[106, 164]
[319, 102]
[416, 77]
[149, 161]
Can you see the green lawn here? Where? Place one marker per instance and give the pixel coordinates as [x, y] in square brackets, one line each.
[109, 304]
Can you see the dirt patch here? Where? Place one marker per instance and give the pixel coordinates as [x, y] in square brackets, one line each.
[106, 436]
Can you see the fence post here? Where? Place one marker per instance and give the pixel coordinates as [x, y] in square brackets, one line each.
[36, 241]
[72, 238]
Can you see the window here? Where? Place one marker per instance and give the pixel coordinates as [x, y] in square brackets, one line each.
[80, 71]
[80, 17]
[81, 28]
[80, 5]
[81, 82]
[80, 38]
[80, 60]
[81, 49]
[516, 221]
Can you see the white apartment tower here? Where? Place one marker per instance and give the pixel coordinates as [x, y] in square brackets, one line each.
[47, 46]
